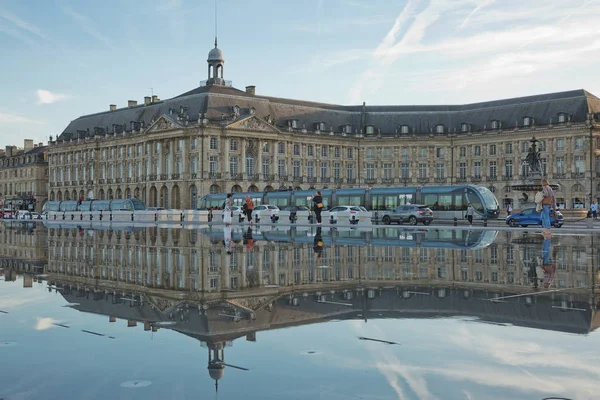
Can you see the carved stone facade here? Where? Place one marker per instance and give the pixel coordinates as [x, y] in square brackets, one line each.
[24, 177]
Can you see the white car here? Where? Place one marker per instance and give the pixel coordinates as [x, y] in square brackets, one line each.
[266, 211]
[351, 214]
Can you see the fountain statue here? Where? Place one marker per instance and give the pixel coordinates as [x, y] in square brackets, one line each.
[534, 176]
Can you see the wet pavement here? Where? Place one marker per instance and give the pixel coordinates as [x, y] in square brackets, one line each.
[297, 312]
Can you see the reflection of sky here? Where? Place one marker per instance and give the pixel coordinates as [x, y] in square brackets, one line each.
[451, 358]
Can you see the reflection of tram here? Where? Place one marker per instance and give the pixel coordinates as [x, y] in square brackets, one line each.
[446, 201]
[446, 239]
[95, 205]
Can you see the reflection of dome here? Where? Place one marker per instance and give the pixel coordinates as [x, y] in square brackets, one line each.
[216, 372]
[216, 55]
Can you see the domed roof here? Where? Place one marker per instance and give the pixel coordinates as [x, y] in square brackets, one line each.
[216, 372]
[215, 54]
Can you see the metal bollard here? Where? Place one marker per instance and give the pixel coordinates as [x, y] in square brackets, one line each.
[81, 217]
[110, 216]
[455, 221]
[181, 217]
[131, 217]
[354, 220]
[292, 217]
[310, 218]
[256, 219]
[91, 216]
[332, 219]
[101, 216]
[241, 218]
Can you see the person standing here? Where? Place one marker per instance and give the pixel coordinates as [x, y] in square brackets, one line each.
[594, 209]
[249, 208]
[227, 210]
[318, 206]
[548, 202]
[470, 213]
[509, 209]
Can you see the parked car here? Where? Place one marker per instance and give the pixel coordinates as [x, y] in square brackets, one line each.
[529, 216]
[411, 213]
[267, 211]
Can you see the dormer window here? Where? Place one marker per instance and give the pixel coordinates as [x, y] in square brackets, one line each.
[439, 128]
[465, 127]
[236, 110]
[293, 123]
[370, 130]
[252, 111]
[346, 128]
[495, 124]
[562, 118]
[404, 129]
[320, 126]
[527, 121]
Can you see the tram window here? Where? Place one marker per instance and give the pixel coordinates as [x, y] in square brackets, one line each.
[68, 206]
[279, 201]
[475, 201]
[138, 204]
[85, 206]
[100, 205]
[349, 201]
[120, 205]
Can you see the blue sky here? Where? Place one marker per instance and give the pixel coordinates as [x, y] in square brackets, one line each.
[65, 58]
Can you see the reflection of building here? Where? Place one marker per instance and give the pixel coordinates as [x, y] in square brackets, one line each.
[24, 174]
[184, 280]
[215, 138]
[23, 250]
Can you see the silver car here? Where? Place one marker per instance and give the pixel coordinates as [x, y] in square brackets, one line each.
[411, 213]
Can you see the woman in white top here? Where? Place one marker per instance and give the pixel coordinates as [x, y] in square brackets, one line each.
[470, 213]
[227, 210]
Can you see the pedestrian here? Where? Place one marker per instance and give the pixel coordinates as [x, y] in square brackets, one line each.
[548, 203]
[318, 206]
[470, 213]
[594, 209]
[249, 208]
[509, 209]
[227, 210]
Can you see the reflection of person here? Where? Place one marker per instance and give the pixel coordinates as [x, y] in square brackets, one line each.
[594, 209]
[248, 239]
[227, 238]
[249, 207]
[318, 206]
[318, 243]
[470, 213]
[227, 210]
[548, 202]
[547, 265]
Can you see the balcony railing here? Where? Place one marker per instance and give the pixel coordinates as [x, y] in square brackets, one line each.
[298, 179]
[351, 180]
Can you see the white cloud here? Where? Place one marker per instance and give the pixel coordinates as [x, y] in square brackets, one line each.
[8, 119]
[45, 323]
[47, 97]
[484, 46]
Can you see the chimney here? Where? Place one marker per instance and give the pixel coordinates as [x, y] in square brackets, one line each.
[8, 151]
[40, 144]
[155, 99]
[251, 90]
[131, 103]
[112, 107]
[27, 144]
[147, 100]
[112, 319]
[131, 324]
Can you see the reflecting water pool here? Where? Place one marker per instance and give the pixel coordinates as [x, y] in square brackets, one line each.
[299, 313]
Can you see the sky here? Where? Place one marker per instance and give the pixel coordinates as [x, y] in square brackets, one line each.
[61, 59]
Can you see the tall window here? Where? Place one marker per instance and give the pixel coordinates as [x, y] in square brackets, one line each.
[493, 172]
[422, 170]
[296, 149]
[579, 144]
[179, 165]
[296, 169]
[336, 152]
[387, 171]
[477, 150]
[560, 144]
[233, 165]
[508, 148]
[281, 148]
[233, 145]
[323, 168]
[404, 170]
[439, 170]
[194, 166]
[560, 165]
[508, 168]
[579, 164]
[492, 149]
[310, 169]
[266, 168]
[249, 166]
[370, 171]
[350, 153]
[310, 150]
[462, 170]
[281, 167]
[336, 170]
[324, 151]
[350, 171]
[477, 169]
[213, 143]
[370, 154]
[213, 164]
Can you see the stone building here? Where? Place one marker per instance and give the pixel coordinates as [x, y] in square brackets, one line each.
[215, 138]
[24, 176]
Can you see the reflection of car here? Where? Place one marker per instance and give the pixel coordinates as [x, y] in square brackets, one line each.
[266, 211]
[155, 208]
[411, 213]
[295, 208]
[349, 209]
[529, 216]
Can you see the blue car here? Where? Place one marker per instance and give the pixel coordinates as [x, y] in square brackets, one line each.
[529, 216]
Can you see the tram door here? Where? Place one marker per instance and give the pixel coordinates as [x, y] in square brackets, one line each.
[459, 199]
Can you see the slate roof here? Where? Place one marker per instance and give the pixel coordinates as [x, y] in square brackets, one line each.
[217, 102]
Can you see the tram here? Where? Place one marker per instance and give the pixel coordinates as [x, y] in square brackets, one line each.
[442, 239]
[94, 205]
[447, 202]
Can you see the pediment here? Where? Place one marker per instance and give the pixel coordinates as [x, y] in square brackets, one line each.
[253, 123]
[163, 123]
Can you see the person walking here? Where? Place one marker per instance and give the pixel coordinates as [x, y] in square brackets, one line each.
[548, 202]
[318, 206]
[509, 209]
[227, 210]
[470, 213]
[249, 208]
[594, 209]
